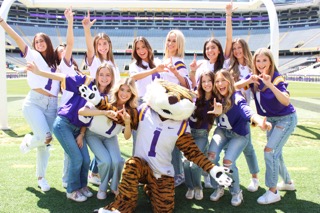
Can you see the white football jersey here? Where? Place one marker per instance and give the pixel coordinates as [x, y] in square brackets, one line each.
[37, 81]
[156, 140]
[181, 68]
[102, 125]
[244, 72]
[68, 70]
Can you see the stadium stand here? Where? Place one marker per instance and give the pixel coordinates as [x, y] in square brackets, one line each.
[298, 22]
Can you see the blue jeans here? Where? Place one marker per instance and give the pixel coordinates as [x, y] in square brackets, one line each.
[177, 161]
[93, 167]
[277, 137]
[233, 144]
[66, 165]
[108, 156]
[40, 111]
[192, 171]
[251, 156]
[79, 159]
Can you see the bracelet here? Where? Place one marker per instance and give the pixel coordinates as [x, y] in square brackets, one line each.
[229, 15]
[1, 20]
[82, 133]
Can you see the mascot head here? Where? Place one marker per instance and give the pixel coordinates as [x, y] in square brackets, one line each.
[169, 100]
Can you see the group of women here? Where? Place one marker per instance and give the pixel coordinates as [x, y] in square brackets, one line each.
[224, 79]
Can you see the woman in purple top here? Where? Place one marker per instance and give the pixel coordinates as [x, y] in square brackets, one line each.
[232, 131]
[272, 100]
[201, 123]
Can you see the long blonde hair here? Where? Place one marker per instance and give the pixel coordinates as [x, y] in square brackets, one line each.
[133, 101]
[180, 44]
[227, 101]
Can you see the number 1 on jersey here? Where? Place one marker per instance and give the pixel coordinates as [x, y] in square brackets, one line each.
[156, 134]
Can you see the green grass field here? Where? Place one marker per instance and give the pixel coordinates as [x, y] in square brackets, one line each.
[19, 192]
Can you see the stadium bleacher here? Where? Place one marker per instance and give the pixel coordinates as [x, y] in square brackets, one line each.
[299, 26]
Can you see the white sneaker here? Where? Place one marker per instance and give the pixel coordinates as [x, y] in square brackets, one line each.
[207, 182]
[95, 180]
[43, 184]
[76, 196]
[198, 194]
[190, 194]
[24, 148]
[254, 185]
[101, 195]
[102, 210]
[269, 197]
[219, 192]
[86, 192]
[237, 199]
[286, 186]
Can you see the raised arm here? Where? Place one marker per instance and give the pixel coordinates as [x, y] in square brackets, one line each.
[70, 37]
[127, 123]
[32, 67]
[87, 24]
[20, 42]
[228, 47]
[193, 69]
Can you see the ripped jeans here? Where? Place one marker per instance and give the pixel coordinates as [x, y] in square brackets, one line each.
[233, 144]
[277, 137]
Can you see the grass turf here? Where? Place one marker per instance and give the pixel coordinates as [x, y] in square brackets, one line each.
[19, 192]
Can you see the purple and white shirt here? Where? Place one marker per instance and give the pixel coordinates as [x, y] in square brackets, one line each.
[237, 117]
[71, 108]
[266, 102]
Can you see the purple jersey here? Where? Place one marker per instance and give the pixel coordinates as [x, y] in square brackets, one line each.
[71, 108]
[266, 102]
[237, 117]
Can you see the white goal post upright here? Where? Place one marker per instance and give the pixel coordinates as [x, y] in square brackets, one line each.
[6, 4]
[112, 4]
[274, 30]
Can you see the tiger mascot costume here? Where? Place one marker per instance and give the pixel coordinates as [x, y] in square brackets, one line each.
[162, 125]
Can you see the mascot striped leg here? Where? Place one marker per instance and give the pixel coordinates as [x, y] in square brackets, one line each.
[160, 191]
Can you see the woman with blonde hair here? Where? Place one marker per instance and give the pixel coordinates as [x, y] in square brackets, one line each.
[177, 72]
[272, 100]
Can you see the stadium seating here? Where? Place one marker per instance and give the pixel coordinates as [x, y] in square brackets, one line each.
[293, 21]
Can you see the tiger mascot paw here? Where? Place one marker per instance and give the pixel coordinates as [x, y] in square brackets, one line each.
[92, 96]
[220, 174]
